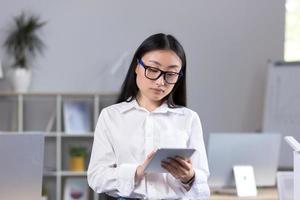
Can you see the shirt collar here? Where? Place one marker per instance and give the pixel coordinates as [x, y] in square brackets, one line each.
[164, 108]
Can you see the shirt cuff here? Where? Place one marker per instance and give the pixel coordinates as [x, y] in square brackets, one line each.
[125, 181]
[199, 187]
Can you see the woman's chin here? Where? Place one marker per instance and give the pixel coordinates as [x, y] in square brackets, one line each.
[157, 97]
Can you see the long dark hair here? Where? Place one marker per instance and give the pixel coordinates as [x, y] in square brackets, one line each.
[160, 41]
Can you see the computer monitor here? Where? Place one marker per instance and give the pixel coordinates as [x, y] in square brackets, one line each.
[21, 168]
[226, 150]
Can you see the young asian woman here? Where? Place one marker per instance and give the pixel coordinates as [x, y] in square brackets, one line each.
[150, 113]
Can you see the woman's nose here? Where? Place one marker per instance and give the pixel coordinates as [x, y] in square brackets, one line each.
[161, 80]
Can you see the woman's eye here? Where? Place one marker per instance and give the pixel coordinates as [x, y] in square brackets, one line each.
[171, 74]
[152, 70]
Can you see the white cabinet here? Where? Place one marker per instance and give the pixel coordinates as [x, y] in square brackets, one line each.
[43, 112]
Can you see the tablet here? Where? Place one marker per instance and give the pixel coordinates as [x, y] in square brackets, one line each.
[162, 154]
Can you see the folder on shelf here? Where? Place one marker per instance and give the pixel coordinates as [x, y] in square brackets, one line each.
[76, 116]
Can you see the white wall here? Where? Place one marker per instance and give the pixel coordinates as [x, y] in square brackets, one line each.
[227, 43]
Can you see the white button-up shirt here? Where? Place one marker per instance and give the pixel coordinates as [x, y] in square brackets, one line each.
[126, 133]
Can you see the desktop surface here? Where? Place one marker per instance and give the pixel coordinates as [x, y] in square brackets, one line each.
[268, 193]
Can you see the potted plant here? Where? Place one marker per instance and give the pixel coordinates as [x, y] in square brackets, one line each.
[77, 158]
[23, 44]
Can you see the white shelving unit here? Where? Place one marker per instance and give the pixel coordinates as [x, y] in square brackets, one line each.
[24, 112]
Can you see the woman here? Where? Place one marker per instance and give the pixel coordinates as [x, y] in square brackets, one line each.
[150, 114]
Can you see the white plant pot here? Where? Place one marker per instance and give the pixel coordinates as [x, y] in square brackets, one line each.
[20, 79]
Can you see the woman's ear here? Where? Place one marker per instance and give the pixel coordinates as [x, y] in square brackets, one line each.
[136, 68]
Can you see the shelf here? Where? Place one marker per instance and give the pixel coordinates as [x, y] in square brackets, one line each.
[50, 173]
[91, 134]
[50, 134]
[72, 135]
[64, 173]
[71, 173]
[44, 112]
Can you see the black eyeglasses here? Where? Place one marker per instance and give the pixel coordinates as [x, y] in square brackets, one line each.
[154, 73]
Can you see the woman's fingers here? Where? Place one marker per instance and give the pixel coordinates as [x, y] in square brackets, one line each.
[148, 158]
[151, 154]
[179, 167]
[170, 169]
[185, 163]
[174, 166]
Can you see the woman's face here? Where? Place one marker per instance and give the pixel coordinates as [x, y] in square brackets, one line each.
[156, 90]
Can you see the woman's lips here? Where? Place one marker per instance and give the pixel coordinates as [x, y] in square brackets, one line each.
[157, 90]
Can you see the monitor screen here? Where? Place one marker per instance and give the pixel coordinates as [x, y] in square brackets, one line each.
[21, 167]
[225, 150]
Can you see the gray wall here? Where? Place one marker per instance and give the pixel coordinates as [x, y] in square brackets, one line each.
[227, 43]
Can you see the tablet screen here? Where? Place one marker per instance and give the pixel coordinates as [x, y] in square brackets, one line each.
[162, 154]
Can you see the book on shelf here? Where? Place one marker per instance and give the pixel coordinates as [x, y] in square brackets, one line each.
[77, 117]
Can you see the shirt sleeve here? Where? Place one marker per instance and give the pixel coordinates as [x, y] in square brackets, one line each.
[103, 174]
[199, 188]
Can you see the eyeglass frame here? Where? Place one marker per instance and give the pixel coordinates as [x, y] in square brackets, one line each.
[180, 73]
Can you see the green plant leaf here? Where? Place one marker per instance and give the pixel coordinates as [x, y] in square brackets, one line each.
[22, 41]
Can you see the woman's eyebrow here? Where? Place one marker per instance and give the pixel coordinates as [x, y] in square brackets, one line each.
[157, 63]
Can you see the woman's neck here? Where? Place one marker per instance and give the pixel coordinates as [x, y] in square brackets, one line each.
[146, 103]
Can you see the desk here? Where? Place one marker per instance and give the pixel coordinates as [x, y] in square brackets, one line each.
[263, 194]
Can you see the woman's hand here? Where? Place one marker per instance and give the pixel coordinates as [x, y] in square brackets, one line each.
[139, 173]
[180, 168]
